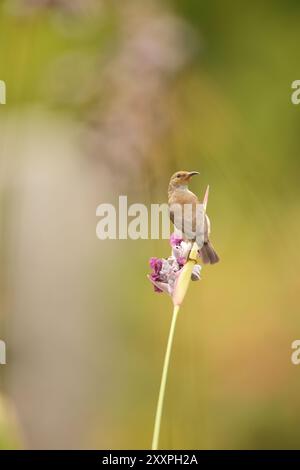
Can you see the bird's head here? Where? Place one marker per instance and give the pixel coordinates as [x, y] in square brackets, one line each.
[181, 178]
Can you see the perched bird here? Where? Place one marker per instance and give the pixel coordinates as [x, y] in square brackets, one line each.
[188, 215]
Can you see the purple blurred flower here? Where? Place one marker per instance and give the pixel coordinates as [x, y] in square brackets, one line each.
[155, 264]
[175, 240]
[181, 260]
[165, 271]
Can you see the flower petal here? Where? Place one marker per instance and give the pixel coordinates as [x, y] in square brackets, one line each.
[160, 286]
[205, 200]
[175, 240]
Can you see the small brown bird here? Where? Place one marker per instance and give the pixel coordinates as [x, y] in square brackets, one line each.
[188, 215]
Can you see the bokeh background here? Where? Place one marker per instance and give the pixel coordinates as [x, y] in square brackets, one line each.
[107, 98]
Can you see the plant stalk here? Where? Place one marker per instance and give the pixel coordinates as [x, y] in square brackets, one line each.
[164, 377]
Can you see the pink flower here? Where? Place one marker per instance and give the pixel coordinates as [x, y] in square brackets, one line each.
[175, 240]
[155, 264]
[166, 271]
[181, 260]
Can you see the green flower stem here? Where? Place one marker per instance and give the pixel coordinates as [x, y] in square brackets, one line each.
[164, 376]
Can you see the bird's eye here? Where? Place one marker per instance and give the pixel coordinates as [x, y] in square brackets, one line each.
[179, 175]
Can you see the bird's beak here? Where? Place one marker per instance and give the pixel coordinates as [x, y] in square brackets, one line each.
[193, 173]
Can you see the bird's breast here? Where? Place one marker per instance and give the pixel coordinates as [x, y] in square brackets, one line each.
[182, 196]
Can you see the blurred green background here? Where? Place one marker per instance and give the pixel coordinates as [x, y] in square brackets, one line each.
[107, 98]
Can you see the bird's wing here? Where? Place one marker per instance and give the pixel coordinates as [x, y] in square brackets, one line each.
[187, 215]
[176, 211]
[189, 219]
[206, 228]
[199, 224]
[171, 212]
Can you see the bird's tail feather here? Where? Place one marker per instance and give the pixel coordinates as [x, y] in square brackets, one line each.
[208, 254]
